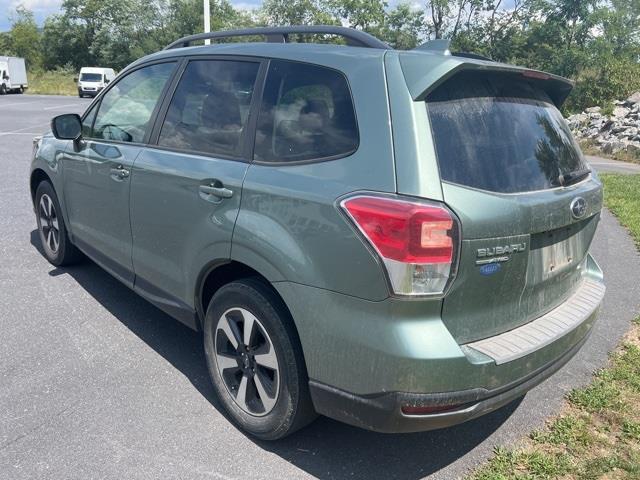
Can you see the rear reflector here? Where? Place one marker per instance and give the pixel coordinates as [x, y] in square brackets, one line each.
[427, 409]
[416, 241]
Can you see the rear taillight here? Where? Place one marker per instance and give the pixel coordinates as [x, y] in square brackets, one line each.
[416, 241]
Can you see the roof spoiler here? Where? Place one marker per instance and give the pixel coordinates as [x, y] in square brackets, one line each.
[439, 45]
[423, 73]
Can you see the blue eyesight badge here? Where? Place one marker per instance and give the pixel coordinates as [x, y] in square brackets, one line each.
[490, 269]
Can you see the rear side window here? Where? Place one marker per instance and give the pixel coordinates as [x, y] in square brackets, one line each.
[306, 114]
[210, 109]
[500, 133]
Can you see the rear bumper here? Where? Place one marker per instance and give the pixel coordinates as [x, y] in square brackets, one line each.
[383, 412]
[366, 360]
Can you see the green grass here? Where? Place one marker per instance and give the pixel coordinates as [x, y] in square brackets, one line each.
[53, 82]
[598, 433]
[622, 197]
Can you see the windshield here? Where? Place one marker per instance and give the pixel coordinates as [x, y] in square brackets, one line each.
[91, 77]
[500, 133]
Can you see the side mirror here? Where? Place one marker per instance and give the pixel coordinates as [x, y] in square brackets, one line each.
[75, 79]
[107, 80]
[67, 126]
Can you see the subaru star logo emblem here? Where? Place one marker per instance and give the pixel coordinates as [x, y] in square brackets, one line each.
[578, 207]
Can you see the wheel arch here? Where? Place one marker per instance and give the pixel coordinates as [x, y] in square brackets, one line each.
[219, 273]
[38, 175]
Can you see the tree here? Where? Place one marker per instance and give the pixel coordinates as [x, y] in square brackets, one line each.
[24, 37]
[366, 15]
[296, 12]
[404, 27]
[65, 42]
[619, 24]
[5, 43]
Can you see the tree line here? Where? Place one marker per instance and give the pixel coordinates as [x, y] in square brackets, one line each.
[594, 42]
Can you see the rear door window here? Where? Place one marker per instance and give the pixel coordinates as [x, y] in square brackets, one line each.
[500, 133]
[209, 111]
[306, 114]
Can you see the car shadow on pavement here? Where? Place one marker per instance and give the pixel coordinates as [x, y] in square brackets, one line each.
[331, 450]
[326, 449]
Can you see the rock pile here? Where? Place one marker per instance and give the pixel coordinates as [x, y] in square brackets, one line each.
[611, 133]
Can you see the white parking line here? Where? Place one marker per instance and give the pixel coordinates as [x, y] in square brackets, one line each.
[2, 105]
[61, 106]
[19, 130]
[20, 133]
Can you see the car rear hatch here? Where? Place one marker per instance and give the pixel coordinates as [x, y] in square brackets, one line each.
[512, 173]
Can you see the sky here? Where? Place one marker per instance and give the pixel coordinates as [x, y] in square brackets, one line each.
[40, 8]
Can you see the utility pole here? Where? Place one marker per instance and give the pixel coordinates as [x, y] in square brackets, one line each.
[207, 20]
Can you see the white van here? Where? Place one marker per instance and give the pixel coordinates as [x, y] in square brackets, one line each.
[93, 79]
[13, 75]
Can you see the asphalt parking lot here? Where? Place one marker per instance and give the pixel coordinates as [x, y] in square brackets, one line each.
[97, 383]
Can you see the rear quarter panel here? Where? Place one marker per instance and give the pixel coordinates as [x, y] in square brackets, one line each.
[289, 227]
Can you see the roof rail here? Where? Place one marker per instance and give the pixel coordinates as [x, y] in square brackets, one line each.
[355, 38]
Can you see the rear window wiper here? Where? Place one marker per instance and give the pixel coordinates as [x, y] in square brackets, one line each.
[573, 177]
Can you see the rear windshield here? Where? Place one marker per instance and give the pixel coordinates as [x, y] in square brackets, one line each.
[91, 77]
[500, 133]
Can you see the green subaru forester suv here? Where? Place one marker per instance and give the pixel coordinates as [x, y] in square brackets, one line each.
[395, 239]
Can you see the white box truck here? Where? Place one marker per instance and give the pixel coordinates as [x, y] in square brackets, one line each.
[93, 79]
[13, 75]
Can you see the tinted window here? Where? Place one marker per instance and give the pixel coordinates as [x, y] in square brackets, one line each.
[210, 109]
[500, 133]
[307, 113]
[125, 110]
[91, 77]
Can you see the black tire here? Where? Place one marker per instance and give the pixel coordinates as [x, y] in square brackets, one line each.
[3, 89]
[51, 227]
[293, 408]
[21, 90]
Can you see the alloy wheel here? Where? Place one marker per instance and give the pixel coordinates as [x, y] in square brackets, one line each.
[49, 225]
[247, 361]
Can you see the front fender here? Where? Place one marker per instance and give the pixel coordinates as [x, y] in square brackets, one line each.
[47, 163]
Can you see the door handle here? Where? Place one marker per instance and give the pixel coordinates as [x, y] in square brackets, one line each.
[119, 172]
[216, 191]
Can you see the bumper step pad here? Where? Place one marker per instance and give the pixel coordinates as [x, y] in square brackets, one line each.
[539, 333]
